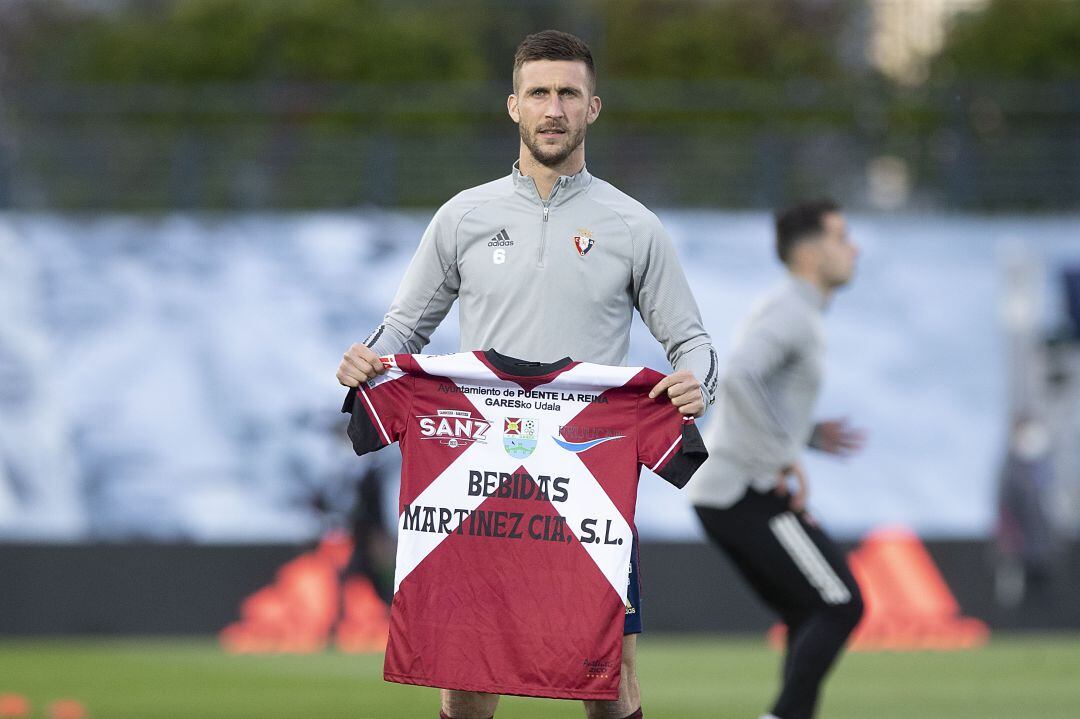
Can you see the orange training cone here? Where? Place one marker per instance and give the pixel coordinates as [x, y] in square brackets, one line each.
[299, 612]
[14, 706]
[908, 604]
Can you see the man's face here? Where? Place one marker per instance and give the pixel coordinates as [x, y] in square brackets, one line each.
[553, 104]
[838, 252]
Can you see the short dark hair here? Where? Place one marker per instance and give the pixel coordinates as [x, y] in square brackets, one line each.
[801, 222]
[553, 45]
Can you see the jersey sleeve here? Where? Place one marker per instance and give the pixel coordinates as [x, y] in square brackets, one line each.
[668, 443]
[380, 409]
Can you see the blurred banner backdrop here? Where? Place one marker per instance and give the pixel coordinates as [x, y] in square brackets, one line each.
[173, 378]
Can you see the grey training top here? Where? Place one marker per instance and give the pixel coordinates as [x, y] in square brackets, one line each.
[762, 419]
[544, 280]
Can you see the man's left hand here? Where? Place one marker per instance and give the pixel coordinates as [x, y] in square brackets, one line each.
[836, 436]
[684, 391]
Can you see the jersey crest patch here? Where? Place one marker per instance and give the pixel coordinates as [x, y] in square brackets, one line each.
[519, 436]
[583, 243]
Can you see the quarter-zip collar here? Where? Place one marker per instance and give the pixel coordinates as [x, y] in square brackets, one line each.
[565, 188]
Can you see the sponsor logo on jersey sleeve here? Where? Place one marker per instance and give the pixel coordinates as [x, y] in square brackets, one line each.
[454, 427]
[519, 436]
[388, 362]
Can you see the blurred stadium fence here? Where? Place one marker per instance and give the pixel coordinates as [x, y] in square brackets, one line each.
[730, 144]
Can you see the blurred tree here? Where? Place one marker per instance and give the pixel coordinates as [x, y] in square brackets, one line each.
[194, 41]
[278, 101]
[1013, 39]
[198, 41]
[23, 23]
[709, 39]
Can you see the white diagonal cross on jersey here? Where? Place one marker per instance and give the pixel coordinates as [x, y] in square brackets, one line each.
[586, 498]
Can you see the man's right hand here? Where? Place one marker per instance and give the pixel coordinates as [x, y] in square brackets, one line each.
[359, 364]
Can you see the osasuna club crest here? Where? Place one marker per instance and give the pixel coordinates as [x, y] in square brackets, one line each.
[583, 243]
[519, 436]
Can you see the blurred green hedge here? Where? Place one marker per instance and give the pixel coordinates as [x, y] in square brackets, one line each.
[196, 41]
[408, 41]
[1036, 40]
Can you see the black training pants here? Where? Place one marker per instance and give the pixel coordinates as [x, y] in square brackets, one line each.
[798, 571]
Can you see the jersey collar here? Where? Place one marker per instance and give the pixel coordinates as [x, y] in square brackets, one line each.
[528, 375]
[566, 187]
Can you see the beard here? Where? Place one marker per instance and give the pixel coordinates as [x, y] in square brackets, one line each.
[552, 155]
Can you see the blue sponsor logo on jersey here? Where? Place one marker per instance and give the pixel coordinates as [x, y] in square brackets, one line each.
[577, 447]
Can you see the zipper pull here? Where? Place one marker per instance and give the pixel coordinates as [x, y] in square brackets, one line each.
[546, 213]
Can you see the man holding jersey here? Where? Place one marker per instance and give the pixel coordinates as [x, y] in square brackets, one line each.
[545, 263]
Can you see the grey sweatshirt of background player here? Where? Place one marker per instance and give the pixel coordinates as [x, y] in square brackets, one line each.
[762, 419]
[545, 280]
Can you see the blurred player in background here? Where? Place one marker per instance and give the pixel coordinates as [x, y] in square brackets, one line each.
[755, 439]
[372, 557]
[550, 262]
[1026, 545]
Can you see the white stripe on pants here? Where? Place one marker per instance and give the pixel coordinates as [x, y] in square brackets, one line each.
[808, 558]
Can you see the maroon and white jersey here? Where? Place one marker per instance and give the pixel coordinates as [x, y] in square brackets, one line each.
[516, 515]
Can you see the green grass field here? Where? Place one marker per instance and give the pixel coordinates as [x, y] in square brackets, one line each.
[1018, 677]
